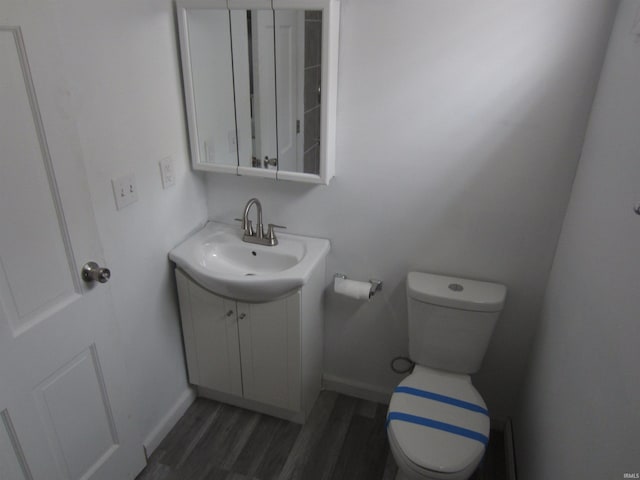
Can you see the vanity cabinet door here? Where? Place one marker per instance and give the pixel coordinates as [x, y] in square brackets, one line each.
[210, 330]
[270, 351]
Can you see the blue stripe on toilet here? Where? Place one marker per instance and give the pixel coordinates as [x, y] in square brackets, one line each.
[442, 398]
[445, 427]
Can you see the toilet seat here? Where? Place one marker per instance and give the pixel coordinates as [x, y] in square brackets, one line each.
[438, 422]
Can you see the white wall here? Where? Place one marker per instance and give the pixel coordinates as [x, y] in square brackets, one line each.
[579, 412]
[125, 94]
[459, 128]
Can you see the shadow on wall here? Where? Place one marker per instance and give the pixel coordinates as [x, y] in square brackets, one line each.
[456, 153]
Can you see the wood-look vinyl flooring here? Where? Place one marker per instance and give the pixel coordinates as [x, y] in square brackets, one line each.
[343, 438]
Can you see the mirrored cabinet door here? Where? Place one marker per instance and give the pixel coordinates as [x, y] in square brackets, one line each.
[209, 88]
[300, 89]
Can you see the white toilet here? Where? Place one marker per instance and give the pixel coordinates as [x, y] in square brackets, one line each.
[438, 424]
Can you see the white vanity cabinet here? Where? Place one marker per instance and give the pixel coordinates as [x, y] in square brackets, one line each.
[262, 356]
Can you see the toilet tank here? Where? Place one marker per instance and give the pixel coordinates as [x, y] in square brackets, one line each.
[451, 320]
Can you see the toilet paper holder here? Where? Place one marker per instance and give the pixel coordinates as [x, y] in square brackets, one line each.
[376, 285]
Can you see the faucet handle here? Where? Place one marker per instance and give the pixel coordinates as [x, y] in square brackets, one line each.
[271, 235]
[246, 226]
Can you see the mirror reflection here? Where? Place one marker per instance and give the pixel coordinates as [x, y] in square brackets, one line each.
[309, 159]
[256, 78]
[212, 84]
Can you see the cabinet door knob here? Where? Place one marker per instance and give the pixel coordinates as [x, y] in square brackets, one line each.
[229, 313]
[242, 316]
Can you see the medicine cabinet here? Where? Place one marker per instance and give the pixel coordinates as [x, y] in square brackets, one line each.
[260, 86]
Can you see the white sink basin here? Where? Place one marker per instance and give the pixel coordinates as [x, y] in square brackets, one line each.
[218, 259]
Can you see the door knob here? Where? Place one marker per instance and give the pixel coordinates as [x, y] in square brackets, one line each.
[92, 272]
[270, 162]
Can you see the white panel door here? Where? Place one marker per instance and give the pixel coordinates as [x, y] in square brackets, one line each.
[64, 410]
[276, 84]
[264, 85]
[289, 76]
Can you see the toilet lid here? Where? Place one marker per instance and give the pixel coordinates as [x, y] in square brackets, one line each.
[438, 420]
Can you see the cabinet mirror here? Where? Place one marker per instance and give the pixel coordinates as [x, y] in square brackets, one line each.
[260, 86]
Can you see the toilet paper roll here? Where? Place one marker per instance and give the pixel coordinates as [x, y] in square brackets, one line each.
[352, 288]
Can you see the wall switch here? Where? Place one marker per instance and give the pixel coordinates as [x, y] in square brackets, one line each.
[124, 190]
[167, 172]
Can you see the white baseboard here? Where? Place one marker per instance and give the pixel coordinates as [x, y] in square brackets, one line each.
[356, 389]
[153, 439]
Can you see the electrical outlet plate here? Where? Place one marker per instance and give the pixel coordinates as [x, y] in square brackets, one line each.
[125, 190]
[167, 172]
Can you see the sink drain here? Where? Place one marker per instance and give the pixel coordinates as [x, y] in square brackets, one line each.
[249, 274]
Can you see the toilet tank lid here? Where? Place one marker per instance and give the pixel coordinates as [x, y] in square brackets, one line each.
[453, 292]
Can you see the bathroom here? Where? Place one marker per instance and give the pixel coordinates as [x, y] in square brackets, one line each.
[491, 140]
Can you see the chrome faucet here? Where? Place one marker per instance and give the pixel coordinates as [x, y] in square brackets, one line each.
[257, 235]
[246, 223]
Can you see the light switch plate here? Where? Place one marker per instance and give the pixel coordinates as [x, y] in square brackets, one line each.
[125, 190]
[167, 172]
